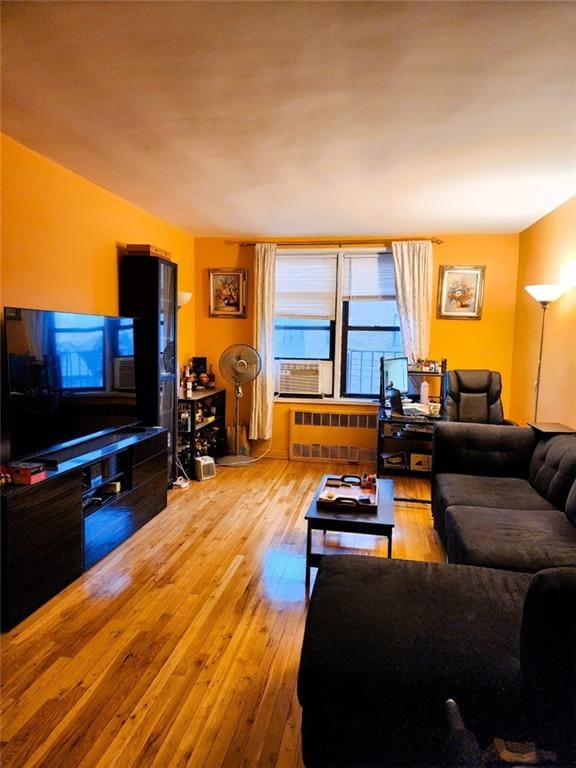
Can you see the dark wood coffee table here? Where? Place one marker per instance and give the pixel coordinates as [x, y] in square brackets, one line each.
[379, 523]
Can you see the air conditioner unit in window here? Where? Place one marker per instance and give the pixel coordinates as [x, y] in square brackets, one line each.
[299, 377]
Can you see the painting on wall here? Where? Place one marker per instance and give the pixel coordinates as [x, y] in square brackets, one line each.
[460, 293]
[227, 290]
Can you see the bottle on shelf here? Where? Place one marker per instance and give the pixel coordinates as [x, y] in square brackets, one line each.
[424, 393]
[211, 378]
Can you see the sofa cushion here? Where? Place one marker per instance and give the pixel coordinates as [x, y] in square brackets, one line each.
[552, 469]
[482, 449]
[571, 504]
[482, 491]
[378, 648]
[511, 539]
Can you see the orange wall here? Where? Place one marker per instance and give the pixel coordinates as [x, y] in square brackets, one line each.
[215, 334]
[485, 343]
[488, 342]
[547, 255]
[60, 235]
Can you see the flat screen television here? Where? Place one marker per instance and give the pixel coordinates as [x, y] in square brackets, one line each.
[66, 376]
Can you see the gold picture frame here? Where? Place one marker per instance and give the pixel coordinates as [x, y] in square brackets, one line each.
[460, 292]
[227, 291]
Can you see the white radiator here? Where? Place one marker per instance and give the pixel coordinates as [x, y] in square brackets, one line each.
[325, 436]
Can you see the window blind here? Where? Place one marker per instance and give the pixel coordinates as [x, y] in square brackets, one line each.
[306, 286]
[370, 276]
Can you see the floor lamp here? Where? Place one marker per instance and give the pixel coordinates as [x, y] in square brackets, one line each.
[544, 295]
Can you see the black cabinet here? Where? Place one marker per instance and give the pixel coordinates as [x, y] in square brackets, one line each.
[41, 543]
[148, 289]
[90, 502]
[201, 427]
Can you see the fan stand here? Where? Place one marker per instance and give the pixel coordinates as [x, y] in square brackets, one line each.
[236, 459]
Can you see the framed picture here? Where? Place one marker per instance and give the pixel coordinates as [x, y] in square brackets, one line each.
[227, 292]
[460, 293]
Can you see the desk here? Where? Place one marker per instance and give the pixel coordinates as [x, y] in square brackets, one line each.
[379, 523]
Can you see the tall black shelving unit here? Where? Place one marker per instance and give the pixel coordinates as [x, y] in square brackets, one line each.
[148, 290]
[201, 427]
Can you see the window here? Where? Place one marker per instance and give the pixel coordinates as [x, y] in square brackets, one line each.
[338, 307]
[124, 340]
[370, 322]
[305, 307]
[300, 338]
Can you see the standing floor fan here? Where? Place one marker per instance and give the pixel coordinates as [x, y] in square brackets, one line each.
[239, 364]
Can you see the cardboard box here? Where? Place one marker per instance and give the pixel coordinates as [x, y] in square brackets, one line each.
[420, 462]
[395, 461]
[146, 249]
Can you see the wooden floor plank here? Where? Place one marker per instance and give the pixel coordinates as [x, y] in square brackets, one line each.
[181, 647]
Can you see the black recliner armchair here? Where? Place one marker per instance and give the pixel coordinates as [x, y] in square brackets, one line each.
[473, 396]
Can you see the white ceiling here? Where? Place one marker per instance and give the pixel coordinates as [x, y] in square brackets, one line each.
[303, 118]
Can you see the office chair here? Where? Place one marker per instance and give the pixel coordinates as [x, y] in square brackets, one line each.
[473, 396]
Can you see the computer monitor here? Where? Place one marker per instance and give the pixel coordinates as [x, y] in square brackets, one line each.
[393, 375]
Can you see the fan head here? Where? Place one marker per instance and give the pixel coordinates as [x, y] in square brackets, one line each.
[240, 363]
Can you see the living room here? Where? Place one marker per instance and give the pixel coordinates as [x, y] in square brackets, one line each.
[147, 658]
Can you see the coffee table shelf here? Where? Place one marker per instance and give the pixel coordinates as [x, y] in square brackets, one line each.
[379, 523]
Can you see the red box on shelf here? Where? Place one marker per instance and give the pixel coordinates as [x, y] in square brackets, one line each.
[26, 472]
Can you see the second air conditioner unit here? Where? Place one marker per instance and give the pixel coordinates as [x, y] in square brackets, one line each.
[299, 377]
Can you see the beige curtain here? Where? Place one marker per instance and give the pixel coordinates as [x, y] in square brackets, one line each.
[263, 388]
[413, 275]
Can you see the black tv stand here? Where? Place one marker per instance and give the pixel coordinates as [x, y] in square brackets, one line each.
[96, 496]
[53, 457]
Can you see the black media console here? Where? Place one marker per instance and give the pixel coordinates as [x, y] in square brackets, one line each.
[95, 495]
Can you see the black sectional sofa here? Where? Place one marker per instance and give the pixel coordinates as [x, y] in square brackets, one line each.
[504, 497]
[387, 642]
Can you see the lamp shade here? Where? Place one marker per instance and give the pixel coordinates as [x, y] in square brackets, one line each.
[545, 293]
[183, 298]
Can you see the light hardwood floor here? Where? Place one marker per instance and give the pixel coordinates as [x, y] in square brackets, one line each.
[181, 648]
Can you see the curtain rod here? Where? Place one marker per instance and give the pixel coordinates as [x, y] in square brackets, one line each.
[339, 243]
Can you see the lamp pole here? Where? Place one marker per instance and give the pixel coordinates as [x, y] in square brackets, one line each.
[544, 295]
[544, 305]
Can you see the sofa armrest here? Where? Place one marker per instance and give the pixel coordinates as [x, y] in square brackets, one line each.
[482, 449]
[548, 659]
